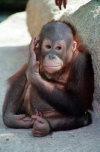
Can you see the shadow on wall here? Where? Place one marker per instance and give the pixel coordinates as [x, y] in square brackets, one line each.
[8, 7]
[12, 5]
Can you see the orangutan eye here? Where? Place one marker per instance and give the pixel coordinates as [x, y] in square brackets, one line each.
[48, 46]
[58, 48]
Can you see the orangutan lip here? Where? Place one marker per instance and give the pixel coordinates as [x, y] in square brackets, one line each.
[47, 66]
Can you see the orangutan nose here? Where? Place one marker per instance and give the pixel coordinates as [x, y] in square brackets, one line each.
[51, 56]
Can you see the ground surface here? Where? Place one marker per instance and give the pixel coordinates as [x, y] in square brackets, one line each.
[12, 56]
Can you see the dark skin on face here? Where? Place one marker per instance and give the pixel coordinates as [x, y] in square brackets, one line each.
[53, 46]
[54, 90]
[60, 3]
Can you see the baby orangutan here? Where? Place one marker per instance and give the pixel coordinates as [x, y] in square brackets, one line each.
[55, 89]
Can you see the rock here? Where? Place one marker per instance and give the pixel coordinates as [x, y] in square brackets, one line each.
[84, 15]
[40, 12]
[87, 21]
[14, 25]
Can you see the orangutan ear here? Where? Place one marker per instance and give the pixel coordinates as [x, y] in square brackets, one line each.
[74, 46]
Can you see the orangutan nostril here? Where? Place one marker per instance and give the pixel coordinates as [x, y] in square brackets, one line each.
[51, 56]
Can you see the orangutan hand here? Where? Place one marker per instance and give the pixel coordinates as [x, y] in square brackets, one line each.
[59, 3]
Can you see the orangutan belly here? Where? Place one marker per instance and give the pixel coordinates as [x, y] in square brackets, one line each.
[33, 103]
